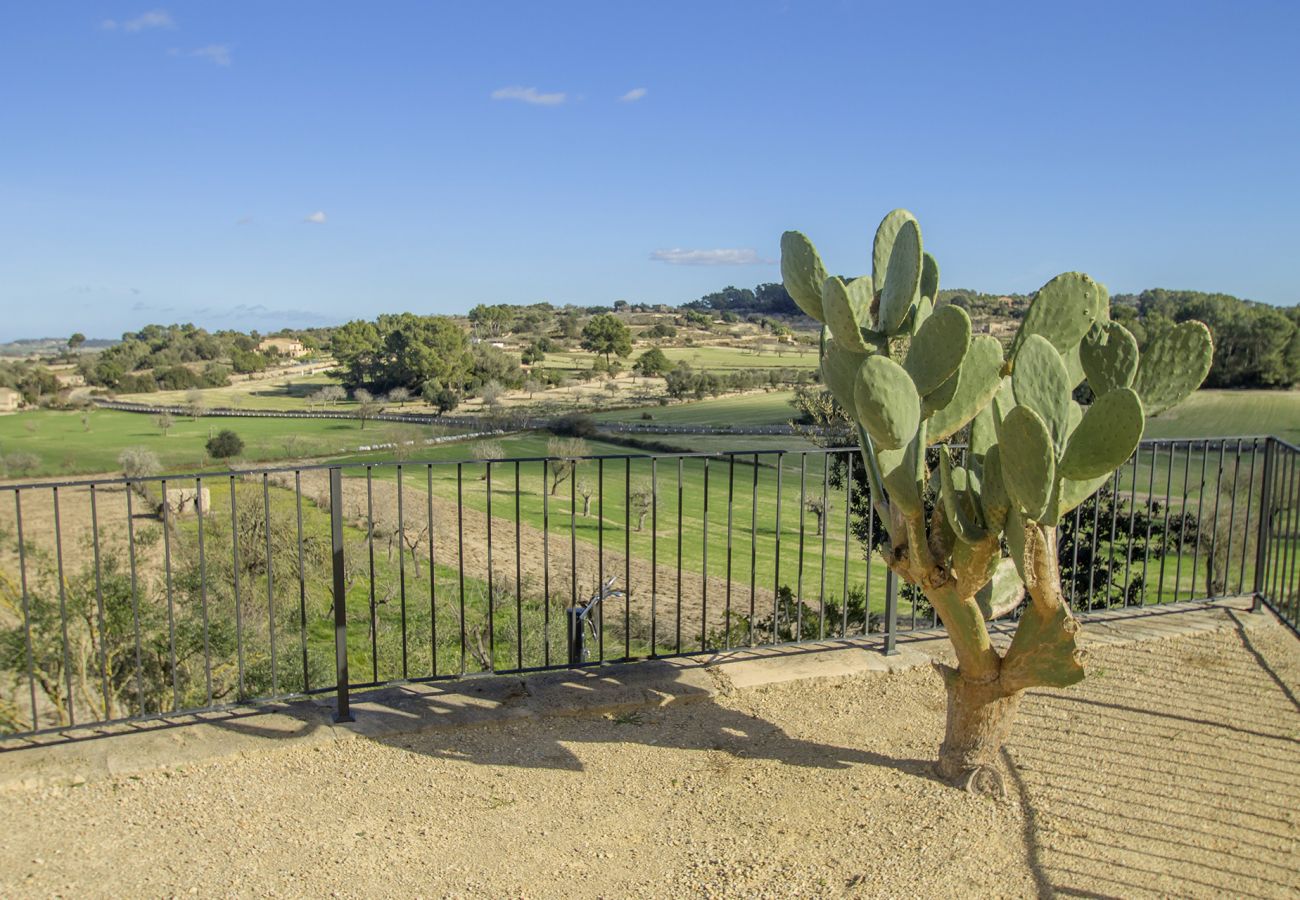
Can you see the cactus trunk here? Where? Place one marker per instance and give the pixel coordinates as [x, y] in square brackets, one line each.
[980, 716]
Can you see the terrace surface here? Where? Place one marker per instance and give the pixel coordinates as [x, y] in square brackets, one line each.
[1172, 770]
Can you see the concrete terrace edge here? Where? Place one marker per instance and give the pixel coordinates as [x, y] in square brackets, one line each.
[607, 690]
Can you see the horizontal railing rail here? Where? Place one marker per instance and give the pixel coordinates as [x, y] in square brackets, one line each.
[129, 599]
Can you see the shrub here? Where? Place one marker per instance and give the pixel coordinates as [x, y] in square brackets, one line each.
[225, 445]
[574, 425]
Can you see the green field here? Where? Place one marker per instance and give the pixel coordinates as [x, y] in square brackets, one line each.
[67, 446]
[1214, 413]
[745, 409]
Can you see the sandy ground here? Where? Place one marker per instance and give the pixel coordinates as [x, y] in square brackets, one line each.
[1173, 771]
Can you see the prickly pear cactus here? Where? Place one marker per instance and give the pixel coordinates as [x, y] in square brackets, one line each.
[911, 376]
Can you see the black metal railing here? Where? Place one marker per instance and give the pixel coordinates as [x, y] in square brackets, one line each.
[125, 600]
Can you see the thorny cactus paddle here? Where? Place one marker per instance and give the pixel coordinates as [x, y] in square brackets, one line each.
[911, 376]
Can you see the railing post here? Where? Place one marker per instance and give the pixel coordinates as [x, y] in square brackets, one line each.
[891, 611]
[1264, 528]
[576, 648]
[343, 712]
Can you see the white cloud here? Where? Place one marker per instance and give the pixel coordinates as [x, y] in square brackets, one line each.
[316, 218]
[633, 95]
[217, 54]
[529, 95]
[739, 257]
[155, 18]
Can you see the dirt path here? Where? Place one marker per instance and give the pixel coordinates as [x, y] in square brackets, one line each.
[1172, 771]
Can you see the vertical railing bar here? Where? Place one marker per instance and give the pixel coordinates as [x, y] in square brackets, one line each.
[1074, 561]
[99, 607]
[1278, 489]
[1286, 547]
[491, 577]
[433, 574]
[302, 574]
[401, 565]
[171, 606]
[519, 578]
[340, 590]
[1214, 527]
[1245, 528]
[1169, 484]
[573, 535]
[203, 589]
[600, 554]
[1289, 582]
[460, 554]
[679, 556]
[63, 608]
[627, 558]
[1114, 523]
[844, 586]
[891, 612]
[546, 569]
[704, 577]
[135, 601]
[871, 530]
[654, 557]
[753, 551]
[826, 527]
[1182, 524]
[239, 607]
[1096, 537]
[370, 544]
[1232, 520]
[270, 590]
[776, 555]
[27, 627]
[1283, 553]
[803, 506]
[1200, 516]
[1132, 519]
[731, 492]
[1264, 528]
[1146, 549]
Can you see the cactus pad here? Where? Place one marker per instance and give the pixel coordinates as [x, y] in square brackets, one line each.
[1031, 473]
[1107, 435]
[1173, 365]
[887, 403]
[803, 273]
[978, 381]
[938, 349]
[902, 277]
[1062, 311]
[1040, 382]
[1003, 592]
[847, 308]
[839, 369]
[929, 278]
[1109, 355]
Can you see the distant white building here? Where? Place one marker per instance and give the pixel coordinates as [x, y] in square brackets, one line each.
[290, 347]
[10, 400]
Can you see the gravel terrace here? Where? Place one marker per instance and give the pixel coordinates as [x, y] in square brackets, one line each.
[1174, 770]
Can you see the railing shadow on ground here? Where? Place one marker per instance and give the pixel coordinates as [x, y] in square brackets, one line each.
[1180, 795]
[603, 706]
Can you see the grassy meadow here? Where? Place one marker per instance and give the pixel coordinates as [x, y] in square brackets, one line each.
[73, 443]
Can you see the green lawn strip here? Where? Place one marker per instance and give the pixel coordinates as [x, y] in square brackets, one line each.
[760, 408]
[65, 447]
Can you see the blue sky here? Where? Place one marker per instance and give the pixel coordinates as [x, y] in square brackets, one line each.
[251, 164]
